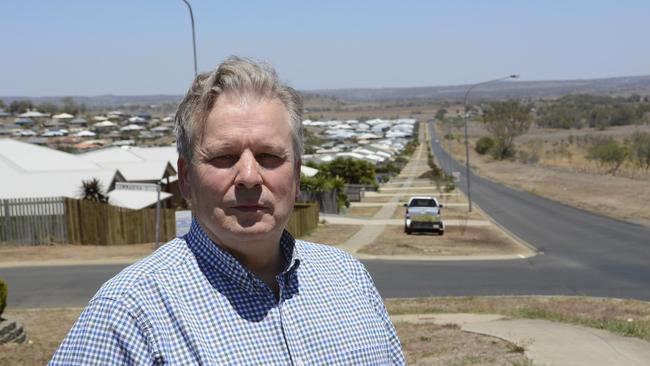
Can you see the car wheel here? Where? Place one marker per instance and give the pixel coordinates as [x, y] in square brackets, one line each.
[441, 233]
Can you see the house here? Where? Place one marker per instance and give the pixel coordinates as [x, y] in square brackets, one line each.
[31, 171]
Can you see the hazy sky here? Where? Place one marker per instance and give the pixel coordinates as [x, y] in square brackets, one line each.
[126, 47]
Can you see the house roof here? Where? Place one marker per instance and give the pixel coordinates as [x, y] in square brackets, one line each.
[142, 170]
[135, 199]
[33, 159]
[133, 154]
[53, 183]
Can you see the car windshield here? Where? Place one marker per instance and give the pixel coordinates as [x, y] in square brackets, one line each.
[423, 203]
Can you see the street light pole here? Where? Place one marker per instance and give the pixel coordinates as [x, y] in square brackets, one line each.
[193, 36]
[467, 175]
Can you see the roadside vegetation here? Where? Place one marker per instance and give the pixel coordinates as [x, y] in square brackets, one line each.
[630, 318]
[591, 152]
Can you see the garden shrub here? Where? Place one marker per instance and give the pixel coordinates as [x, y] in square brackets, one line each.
[3, 295]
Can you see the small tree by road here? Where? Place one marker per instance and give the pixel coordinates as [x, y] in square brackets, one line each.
[608, 153]
[505, 121]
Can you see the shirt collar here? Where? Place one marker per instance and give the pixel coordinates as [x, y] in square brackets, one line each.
[212, 257]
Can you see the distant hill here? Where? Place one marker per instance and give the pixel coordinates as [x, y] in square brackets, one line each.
[501, 90]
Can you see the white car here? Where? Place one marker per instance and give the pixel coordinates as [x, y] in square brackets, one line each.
[423, 214]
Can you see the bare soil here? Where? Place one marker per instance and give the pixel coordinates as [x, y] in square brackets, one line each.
[457, 241]
[331, 234]
[14, 253]
[364, 212]
[448, 212]
[45, 330]
[441, 345]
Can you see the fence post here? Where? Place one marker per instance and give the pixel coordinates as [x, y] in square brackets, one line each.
[158, 215]
[5, 206]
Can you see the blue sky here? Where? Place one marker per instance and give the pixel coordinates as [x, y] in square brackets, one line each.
[128, 47]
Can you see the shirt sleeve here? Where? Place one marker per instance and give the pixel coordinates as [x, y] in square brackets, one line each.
[395, 348]
[105, 334]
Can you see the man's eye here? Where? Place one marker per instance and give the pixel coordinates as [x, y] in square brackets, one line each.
[269, 161]
[224, 161]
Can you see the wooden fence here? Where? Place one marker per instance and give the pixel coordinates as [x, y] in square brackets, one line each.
[68, 220]
[101, 224]
[303, 219]
[33, 220]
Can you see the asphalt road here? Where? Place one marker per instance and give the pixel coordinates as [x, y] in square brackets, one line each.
[581, 254]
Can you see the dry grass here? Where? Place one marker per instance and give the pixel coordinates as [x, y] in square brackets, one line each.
[457, 241]
[625, 317]
[448, 212]
[362, 211]
[376, 199]
[14, 253]
[45, 330]
[431, 344]
[563, 173]
[331, 234]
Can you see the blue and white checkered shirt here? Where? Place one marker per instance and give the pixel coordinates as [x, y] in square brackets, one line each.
[193, 303]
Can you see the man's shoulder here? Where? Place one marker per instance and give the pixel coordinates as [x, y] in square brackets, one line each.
[326, 255]
[151, 268]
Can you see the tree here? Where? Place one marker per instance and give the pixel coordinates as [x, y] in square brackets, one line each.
[20, 106]
[69, 106]
[505, 121]
[92, 190]
[2, 104]
[49, 108]
[608, 152]
[440, 114]
[352, 171]
[640, 149]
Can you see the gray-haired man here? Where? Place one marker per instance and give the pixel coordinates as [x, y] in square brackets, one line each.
[237, 289]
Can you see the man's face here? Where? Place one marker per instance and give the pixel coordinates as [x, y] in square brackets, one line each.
[243, 179]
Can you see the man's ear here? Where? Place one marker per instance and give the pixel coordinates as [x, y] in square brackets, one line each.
[184, 177]
[297, 179]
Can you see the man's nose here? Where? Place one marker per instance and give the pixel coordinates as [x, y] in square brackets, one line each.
[248, 174]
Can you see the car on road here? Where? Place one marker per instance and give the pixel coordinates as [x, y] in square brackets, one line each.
[423, 214]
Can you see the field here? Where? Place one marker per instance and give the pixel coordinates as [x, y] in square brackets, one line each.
[552, 163]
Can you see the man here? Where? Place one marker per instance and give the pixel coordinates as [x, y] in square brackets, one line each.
[237, 289]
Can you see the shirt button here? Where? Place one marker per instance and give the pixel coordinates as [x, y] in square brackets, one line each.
[299, 362]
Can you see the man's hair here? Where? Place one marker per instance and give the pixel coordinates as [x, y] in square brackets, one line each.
[243, 78]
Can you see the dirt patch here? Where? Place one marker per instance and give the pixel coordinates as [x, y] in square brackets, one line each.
[376, 199]
[431, 344]
[362, 211]
[457, 241]
[14, 253]
[331, 234]
[45, 330]
[448, 213]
